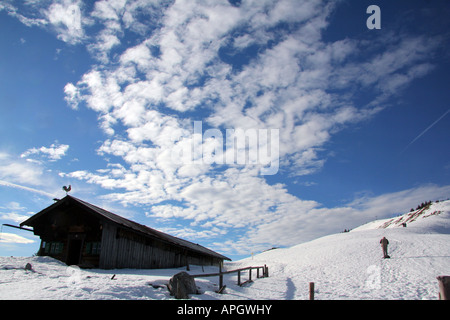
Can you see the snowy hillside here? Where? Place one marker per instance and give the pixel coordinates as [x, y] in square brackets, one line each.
[350, 265]
[419, 214]
[342, 266]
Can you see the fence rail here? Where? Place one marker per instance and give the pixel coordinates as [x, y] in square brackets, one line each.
[264, 273]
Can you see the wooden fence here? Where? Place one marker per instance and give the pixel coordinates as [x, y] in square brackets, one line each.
[263, 274]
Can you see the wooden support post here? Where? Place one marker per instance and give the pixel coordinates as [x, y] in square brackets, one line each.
[444, 287]
[221, 281]
[187, 261]
[267, 271]
[250, 274]
[311, 291]
[257, 273]
[239, 277]
[220, 277]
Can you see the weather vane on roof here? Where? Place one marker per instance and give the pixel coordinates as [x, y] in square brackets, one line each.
[67, 189]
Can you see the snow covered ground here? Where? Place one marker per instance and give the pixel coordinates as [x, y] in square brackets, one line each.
[342, 266]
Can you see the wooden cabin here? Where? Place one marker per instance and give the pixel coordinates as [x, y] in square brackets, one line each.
[79, 233]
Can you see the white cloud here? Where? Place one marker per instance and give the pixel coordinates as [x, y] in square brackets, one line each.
[33, 176]
[18, 218]
[54, 152]
[28, 21]
[139, 55]
[13, 205]
[185, 52]
[66, 17]
[109, 10]
[106, 40]
[14, 238]
[72, 95]
[20, 171]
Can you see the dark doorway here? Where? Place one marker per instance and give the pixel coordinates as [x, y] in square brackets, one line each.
[73, 256]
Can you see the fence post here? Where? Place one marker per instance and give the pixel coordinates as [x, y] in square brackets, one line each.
[444, 287]
[257, 273]
[266, 271]
[239, 277]
[311, 291]
[250, 273]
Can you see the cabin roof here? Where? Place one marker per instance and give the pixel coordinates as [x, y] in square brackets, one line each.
[102, 213]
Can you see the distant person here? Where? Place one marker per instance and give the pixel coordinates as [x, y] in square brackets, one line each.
[384, 245]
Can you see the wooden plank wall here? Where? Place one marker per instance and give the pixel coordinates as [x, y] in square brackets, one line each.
[125, 249]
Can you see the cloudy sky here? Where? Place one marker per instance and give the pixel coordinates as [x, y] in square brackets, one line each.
[354, 122]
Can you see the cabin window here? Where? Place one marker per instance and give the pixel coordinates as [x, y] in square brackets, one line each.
[53, 247]
[58, 247]
[93, 248]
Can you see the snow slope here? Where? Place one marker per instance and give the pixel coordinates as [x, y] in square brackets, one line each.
[350, 265]
[342, 266]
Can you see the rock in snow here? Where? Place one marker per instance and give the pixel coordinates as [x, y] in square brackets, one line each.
[182, 285]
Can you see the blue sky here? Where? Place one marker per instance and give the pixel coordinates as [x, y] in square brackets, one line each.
[102, 95]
